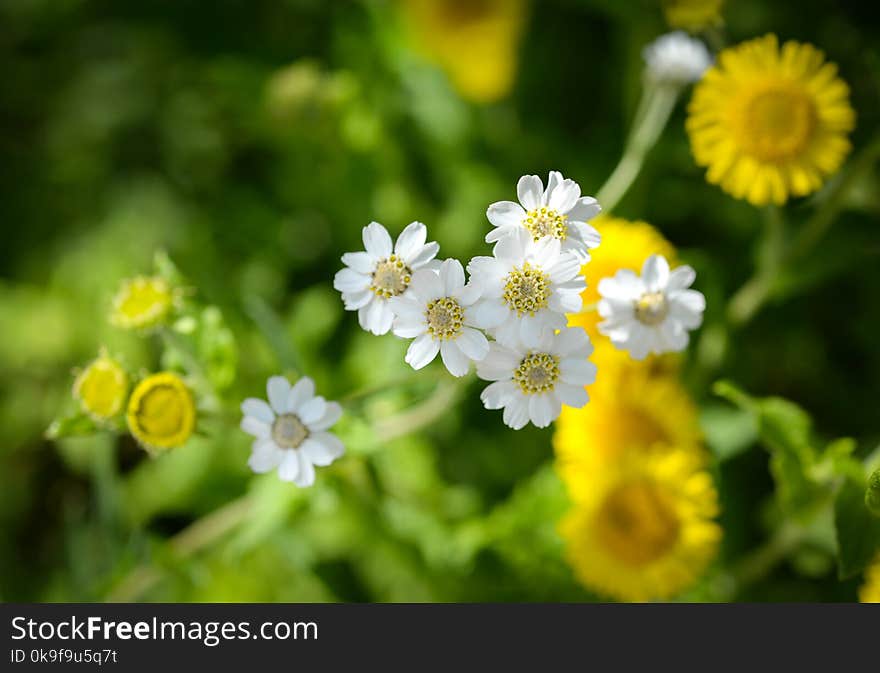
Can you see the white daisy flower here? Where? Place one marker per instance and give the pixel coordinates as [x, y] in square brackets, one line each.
[379, 273]
[291, 430]
[676, 58]
[559, 211]
[532, 384]
[528, 286]
[652, 313]
[437, 312]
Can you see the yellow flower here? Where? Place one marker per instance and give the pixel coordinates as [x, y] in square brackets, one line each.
[646, 531]
[101, 387]
[161, 411]
[625, 245]
[870, 590]
[143, 302]
[770, 122]
[692, 15]
[474, 41]
[635, 413]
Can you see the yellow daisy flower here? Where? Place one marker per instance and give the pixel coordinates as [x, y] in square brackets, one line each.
[625, 245]
[635, 413]
[143, 302]
[474, 41]
[161, 411]
[101, 387]
[692, 15]
[870, 590]
[770, 122]
[646, 531]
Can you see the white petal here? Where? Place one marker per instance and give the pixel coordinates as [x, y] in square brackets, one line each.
[543, 409]
[564, 268]
[545, 252]
[322, 448]
[499, 363]
[301, 392]
[452, 276]
[516, 412]
[469, 294]
[265, 456]
[572, 342]
[655, 273]
[377, 240]
[355, 300]
[349, 280]
[277, 388]
[306, 476]
[532, 328]
[426, 286]
[565, 196]
[530, 191]
[422, 351]
[566, 302]
[590, 237]
[473, 343]
[312, 410]
[424, 256]
[379, 317]
[456, 362]
[686, 307]
[360, 262]
[409, 328]
[332, 413]
[511, 250]
[258, 409]
[681, 278]
[571, 395]
[585, 209]
[411, 240]
[624, 286]
[506, 214]
[577, 372]
[255, 427]
[553, 180]
[487, 313]
[496, 395]
[489, 273]
[289, 467]
[508, 332]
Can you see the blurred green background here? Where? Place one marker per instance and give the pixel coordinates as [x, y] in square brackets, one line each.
[252, 140]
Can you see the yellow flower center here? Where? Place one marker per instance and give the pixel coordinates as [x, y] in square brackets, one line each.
[637, 523]
[391, 277]
[545, 221]
[445, 318]
[527, 289]
[537, 373]
[652, 308]
[776, 122]
[101, 388]
[142, 302]
[161, 411]
[288, 431]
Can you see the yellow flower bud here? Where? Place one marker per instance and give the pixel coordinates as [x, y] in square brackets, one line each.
[161, 411]
[101, 388]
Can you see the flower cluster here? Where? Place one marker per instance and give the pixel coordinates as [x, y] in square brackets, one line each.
[508, 316]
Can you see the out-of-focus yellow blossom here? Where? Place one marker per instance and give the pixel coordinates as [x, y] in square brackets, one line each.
[870, 590]
[770, 122]
[474, 41]
[161, 411]
[625, 245]
[645, 529]
[143, 302]
[101, 387]
[692, 15]
[635, 413]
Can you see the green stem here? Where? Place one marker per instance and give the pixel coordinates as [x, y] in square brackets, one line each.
[656, 106]
[752, 295]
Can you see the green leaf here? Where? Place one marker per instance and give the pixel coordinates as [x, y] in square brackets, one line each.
[858, 531]
[75, 425]
[728, 431]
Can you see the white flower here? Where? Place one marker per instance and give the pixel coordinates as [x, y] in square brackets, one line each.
[676, 58]
[291, 431]
[438, 312]
[533, 384]
[528, 287]
[373, 277]
[559, 211]
[651, 313]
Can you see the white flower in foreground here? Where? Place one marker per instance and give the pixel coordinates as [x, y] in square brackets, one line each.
[291, 431]
[373, 277]
[528, 287]
[676, 58]
[533, 384]
[559, 211]
[651, 313]
[438, 312]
